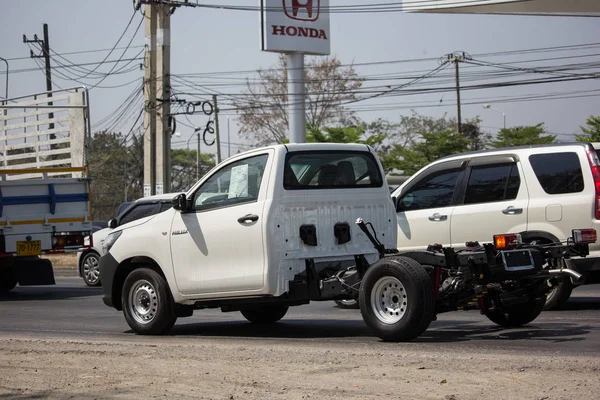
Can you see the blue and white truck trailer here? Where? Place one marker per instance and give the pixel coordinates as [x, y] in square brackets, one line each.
[45, 204]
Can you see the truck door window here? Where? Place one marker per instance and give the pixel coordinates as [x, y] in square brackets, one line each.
[137, 212]
[235, 183]
[492, 183]
[433, 192]
[558, 173]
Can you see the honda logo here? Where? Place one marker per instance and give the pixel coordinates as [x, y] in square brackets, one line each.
[302, 10]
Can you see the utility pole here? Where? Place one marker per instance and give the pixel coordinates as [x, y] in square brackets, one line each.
[45, 45]
[217, 128]
[198, 155]
[157, 97]
[150, 101]
[456, 58]
[163, 95]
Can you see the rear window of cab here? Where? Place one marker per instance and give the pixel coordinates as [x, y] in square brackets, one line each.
[331, 170]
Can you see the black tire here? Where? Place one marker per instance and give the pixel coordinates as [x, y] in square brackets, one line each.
[8, 279]
[90, 268]
[347, 304]
[518, 315]
[558, 297]
[266, 314]
[407, 304]
[147, 303]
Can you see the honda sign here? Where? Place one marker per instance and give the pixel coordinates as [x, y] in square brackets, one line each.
[295, 26]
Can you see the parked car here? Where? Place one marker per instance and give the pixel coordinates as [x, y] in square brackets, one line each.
[88, 261]
[541, 192]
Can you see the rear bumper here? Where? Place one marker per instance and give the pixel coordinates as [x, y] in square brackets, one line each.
[108, 269]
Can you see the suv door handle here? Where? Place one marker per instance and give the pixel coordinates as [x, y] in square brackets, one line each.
[248, 218]
[438, 217]
[512, 210]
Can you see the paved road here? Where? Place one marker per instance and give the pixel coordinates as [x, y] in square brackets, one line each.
[72, 311]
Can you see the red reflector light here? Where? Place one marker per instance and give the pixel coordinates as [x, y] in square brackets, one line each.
[595, 167]
[507, 241]
[584, 235]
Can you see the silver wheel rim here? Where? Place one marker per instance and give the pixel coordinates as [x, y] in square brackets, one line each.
[388, 300]
[143, 302]
[91, 269]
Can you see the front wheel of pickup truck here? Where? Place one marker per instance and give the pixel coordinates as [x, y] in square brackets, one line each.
[396, 299]
[266, 314]
[147, 303]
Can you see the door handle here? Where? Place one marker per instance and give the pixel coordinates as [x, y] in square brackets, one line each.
[512, 211]
[248, 218]
[438, 217]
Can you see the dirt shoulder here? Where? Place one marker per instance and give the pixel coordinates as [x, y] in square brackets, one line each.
[210, 368]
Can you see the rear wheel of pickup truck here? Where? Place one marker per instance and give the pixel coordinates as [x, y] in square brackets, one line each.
[147, 303]
[522, 314]
[347, 304]
[266, 314]
[396, 299]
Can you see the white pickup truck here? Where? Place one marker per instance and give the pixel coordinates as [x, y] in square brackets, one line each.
[44, 191]
[285, 225]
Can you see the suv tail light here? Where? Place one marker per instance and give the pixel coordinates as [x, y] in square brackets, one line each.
[584, 235]
[507, 241]
[595, 166]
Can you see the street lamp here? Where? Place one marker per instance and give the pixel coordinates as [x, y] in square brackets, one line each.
[495, 109]
[6, 89]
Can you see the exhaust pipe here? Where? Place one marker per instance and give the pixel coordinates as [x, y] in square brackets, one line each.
[576, 277]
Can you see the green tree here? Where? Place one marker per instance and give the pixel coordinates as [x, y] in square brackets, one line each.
[417, 140]
[263, 108]
[429, 147]
[591, 133]
[523, 135]
[113, 171]
[184, 172]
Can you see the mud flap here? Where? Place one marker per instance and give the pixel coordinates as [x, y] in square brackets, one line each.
[33, 271]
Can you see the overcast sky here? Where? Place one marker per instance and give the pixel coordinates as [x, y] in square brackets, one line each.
[206, 40]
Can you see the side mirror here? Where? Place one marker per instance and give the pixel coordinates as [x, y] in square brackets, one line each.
[395, 201]
[179, 202]
[112, 224]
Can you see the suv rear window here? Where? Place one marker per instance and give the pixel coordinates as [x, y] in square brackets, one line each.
[558, 173]
[331, 170]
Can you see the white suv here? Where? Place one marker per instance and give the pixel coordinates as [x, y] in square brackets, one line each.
[541, 192]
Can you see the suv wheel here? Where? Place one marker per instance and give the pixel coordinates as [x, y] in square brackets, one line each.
[90, 268]
[559, 295]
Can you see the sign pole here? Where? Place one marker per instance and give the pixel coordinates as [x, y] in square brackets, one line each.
[296, 98]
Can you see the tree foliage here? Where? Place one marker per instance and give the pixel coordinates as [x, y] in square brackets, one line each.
[522, 135]
[591, 133]
[117, 170]
[184, 170]
[263, 107]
